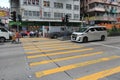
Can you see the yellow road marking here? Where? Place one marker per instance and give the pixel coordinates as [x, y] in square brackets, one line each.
[101, 74]
[58, 53]
[53, 50]
[55, 44]
[51, 42]
[32, 49]
[72, 66]
[50, 45]
[62, 59]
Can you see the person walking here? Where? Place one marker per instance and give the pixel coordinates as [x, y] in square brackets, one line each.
[13, 37]
[17, 36]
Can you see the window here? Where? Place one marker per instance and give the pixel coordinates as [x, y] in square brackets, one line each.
[58, 15]
[100, 29]
[3, 30]
[58, 5]
[75, 0]
[34, 13]
[46, 3]
[31, 2]
[25, 2]
[38, 13]
[37, 2]
[76, 16]
[76, 7]
[30, 13]
[68, 6]
[26, 13]
[47, 14]
[92, 29]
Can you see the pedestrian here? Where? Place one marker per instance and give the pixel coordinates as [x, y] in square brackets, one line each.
[13, 38]
[17, 36]
[40, 33]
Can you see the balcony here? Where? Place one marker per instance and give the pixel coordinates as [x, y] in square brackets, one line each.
[97, 9]
[101, 18]
[105, 18]
[102, 1]
[102, 9]
[93, 1]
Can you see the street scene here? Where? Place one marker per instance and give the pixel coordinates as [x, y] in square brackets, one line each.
[51, 59]
[60, 40]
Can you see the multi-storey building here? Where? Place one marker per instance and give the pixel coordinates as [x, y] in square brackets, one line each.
[47, 13]
[4, 16]
[100, 11]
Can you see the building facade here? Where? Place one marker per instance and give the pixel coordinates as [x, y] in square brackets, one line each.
[103, 12]
[4, 16]
[47, 13]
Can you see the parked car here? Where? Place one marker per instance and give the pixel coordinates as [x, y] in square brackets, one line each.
[89, 34]
[5, 34]
[59, 34]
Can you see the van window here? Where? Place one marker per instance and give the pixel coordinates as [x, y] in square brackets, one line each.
[3, 30]
[92, 29]
[100, 29]
[82, 30]
[104, 29]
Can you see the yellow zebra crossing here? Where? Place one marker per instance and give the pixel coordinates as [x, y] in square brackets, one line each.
[57, 46]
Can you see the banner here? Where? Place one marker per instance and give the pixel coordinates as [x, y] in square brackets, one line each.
[3, 13]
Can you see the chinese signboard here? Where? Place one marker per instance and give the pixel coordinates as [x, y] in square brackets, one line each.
[3, 13]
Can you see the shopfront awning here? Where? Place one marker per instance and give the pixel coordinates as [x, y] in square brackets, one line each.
[15, 23]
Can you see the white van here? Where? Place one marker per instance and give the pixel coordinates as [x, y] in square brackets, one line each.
[89, 34]
[5, 34]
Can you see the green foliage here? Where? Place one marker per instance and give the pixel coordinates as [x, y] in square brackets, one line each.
[114, 31]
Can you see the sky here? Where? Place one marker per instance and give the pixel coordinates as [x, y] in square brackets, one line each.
[4, 3]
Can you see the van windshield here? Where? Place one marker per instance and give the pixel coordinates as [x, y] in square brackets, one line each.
[82, 30]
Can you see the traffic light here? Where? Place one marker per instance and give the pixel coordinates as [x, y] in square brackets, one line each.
[66, 18]
[63, 19]
[19, 17]
[13, 15]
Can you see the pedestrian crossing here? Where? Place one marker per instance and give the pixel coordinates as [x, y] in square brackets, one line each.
[72, 66]
[57, 52]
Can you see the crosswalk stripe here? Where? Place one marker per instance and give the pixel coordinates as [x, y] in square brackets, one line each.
[52, 45]
[102, 74]
[53, 50]
[37, 46]
[73, 66]
[58, 53]
[62, 59]
[52, 42]
[48, 45]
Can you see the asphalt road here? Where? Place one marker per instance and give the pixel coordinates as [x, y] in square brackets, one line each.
[51, 59]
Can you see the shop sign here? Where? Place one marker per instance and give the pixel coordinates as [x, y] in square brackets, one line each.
[3, 13]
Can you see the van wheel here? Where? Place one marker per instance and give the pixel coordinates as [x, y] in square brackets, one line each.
[102, 38]
[2, 39]
[85, 39]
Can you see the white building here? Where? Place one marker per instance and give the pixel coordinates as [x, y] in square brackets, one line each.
[47, 13]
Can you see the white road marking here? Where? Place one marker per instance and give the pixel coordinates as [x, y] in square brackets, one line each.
[106, 45]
